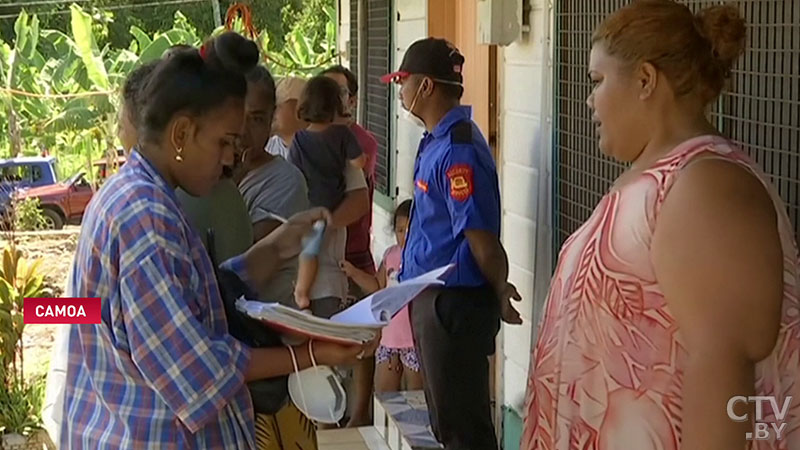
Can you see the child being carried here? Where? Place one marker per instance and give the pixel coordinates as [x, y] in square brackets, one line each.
[322, 152]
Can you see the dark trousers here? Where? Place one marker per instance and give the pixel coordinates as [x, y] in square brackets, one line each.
[454, 332]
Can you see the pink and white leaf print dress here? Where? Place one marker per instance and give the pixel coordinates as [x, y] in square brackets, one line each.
[607, 368]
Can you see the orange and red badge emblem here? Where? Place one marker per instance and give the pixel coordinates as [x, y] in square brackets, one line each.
[461, 185]
[423, 186]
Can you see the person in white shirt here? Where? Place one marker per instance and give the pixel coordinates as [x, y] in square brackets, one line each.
[286, 122]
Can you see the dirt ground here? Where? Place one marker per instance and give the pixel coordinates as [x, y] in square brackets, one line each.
[56, 250]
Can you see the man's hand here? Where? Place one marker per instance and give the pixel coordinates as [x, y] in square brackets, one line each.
[508, 313]
[493, 262]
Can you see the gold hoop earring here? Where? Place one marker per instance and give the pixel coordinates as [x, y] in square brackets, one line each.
[178, 156]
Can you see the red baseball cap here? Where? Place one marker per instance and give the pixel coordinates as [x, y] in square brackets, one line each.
[434, 57]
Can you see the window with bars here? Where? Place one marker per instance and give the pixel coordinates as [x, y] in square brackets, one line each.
[353, 51]
[377, 95]
[377, 62]
[760, 111]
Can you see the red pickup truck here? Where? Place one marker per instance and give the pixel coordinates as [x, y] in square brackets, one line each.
[62, 202]
[65, 202]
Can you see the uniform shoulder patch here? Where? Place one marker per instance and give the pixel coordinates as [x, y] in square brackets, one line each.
[461, 182]
[461, 132]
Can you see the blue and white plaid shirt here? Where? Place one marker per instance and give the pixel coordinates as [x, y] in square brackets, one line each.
[161, 371]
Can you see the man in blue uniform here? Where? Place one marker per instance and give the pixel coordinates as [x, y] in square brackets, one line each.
[455, 219]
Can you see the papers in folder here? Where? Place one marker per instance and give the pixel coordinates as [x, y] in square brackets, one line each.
[357, 324]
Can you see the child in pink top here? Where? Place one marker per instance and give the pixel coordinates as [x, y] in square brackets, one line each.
[396, 356]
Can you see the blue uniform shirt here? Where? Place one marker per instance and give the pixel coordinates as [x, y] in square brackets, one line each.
[455, 189]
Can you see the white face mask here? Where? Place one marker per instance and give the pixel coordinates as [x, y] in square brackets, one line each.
[408, 113]
[317, 392]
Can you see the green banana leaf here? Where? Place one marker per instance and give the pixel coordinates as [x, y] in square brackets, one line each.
[141, 37]
[155, 50]
[87, 47]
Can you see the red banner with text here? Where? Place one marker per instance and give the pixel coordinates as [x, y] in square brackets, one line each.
[61, 310]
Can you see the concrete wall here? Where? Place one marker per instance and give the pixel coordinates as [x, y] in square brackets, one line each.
[523, 137]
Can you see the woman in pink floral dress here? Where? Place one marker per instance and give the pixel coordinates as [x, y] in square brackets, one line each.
[681, 290]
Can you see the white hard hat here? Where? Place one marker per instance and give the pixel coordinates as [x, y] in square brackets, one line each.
[317, 392]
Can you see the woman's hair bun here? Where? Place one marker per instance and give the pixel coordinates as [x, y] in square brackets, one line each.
[232, 52]
[724, 27]
[195, 81]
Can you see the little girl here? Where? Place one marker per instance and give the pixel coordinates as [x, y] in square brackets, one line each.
[396, 356]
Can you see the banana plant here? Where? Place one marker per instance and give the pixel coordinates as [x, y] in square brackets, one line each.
[87, 47]
[81, 66]
[25, 69]
[14, 59]
[303, 54]
[182, 32]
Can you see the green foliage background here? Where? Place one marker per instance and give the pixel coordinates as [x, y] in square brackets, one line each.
[92, 50]
[277, 17]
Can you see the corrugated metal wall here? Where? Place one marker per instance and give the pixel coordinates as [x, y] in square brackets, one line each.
[761, 111]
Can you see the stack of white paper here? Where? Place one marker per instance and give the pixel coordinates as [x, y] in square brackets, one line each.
[357, 324]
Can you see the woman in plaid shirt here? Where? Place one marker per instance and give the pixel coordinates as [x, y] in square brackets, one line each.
[161, 370]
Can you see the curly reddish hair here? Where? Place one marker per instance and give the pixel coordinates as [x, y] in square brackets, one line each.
[696, 52]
